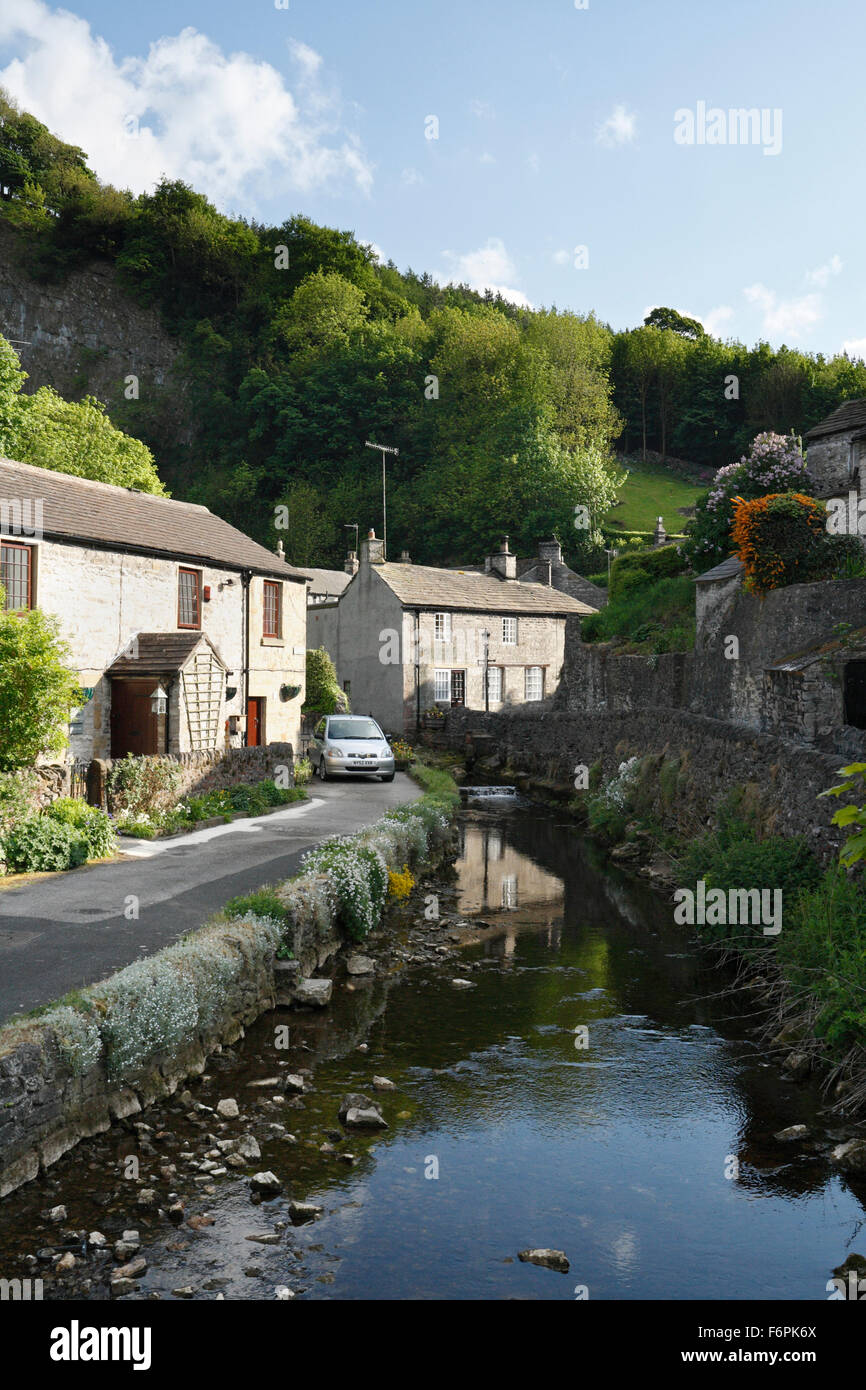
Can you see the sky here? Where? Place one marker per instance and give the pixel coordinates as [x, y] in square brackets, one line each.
[579, 153]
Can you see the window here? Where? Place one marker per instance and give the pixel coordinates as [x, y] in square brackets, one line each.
[272, 615]
[16, 568]
[534, 683]
[509, 632]
[442, 627]
[494, 684]
[441, 685]
[189, 598]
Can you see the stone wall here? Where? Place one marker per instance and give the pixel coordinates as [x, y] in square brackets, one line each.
[783, 779]
[209, 771]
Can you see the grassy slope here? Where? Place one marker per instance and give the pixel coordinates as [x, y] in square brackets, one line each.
[653, 491]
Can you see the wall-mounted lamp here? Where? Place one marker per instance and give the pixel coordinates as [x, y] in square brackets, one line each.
[159, 701]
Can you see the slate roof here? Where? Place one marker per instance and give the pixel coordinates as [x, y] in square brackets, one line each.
[566, 580]
[728, 569]
[422, 586]
[326, 581]
[120, 518]
[850, 415]
[158, 652]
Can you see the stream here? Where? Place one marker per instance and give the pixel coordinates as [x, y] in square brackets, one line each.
[585, 1085]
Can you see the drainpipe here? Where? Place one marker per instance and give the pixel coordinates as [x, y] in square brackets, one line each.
[246, 577]
[417, 671]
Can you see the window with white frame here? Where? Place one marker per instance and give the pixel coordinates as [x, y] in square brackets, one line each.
[441, 685]
[494, 684]
[509, 632]
[534, 683]
[442, 627]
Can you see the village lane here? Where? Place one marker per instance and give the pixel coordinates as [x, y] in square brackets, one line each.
[66, 931]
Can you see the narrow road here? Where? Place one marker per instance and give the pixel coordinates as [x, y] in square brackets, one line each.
[64, 932]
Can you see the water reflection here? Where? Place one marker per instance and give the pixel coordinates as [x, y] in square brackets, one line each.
[615, 1151]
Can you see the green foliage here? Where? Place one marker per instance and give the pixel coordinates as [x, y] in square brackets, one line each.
[264, 902]
[40, 844]
[823, 952]
[732, 857]
[851, 816]
[324, 695]
[657, 618]
[90, 823]
[141, 785]
[37, 691]
[630, 573]
[303, 772]
[675, 322]
[16, 792]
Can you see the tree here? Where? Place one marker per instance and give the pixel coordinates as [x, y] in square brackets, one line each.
[37, 691]
[674, 322]
[68, 436]
[324, 695]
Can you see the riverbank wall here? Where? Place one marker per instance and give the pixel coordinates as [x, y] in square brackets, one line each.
[112, 1049]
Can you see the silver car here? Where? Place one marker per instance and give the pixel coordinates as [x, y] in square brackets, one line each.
[350, 743]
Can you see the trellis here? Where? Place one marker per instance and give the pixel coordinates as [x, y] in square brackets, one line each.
[202, 693]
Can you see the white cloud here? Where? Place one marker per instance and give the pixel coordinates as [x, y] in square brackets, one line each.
[482, 109]
[228, 125]
[488, 268]
[785, 318]
[562, 257]
[619, 128]
[713, 321]
[376, 250]
[821, 275]
[855, 347]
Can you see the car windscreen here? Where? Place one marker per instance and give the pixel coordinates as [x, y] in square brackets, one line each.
[354, 728]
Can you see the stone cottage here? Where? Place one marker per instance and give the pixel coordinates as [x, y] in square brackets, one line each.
[185, 635]
[836, 452]
[407, 639]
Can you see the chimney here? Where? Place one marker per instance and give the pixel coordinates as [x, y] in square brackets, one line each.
[661, 534]
[372, 550]
[503, 562]
[550, 550]
[405, 558]
[281, 554]
[351, 564]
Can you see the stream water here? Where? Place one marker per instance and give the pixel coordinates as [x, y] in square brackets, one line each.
[508, 1128]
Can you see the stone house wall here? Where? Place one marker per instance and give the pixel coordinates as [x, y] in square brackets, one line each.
[104, 598]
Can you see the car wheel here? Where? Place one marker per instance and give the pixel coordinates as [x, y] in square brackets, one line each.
[323, 771]
[388, 777]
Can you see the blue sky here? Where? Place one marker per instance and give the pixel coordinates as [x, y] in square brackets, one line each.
[555, 131]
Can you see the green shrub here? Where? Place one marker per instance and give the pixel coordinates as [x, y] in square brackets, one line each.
[40, 844]
[16, 789]
[144, 784]
[823, 952]
[92, 824]
[303, 772]
[359, 875]
[733, 857]
[657, 618]
[264, 902]
[324, 695]
[645, 567]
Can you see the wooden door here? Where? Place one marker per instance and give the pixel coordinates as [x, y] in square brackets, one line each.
[255, 722]
[134, 726]
[458, 687]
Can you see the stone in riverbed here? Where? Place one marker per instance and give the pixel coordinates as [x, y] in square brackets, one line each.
[548, 1259]
[313, 993]
[382, 1083]
[228, 1109]
[248, 1148]
[301, 1212]
[294, 1083]
[464, 984]
[791, 1133]
[360, 965]
[57, 1214]
[358, 1111]
[266, 1183]
[850, 1157]
[133, 1270]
